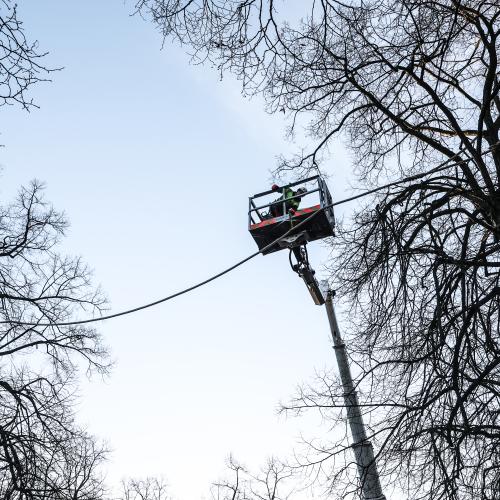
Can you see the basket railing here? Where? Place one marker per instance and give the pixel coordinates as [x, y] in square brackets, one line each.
[254, 209]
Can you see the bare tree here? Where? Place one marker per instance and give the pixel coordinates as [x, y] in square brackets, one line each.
[67, 470]
[408, 85]
[150, 488]
[21, 63]
[43, 454]
[77, 473]
[271, 483]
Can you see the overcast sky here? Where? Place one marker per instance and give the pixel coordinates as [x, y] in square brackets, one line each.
[153, 161]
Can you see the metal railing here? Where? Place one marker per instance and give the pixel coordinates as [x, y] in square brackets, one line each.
[324, 195]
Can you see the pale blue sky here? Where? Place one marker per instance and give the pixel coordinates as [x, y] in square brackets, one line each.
[153, 161]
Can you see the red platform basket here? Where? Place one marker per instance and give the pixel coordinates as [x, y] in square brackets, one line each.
[318, 216]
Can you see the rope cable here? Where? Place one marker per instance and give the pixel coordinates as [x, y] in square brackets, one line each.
[438, 168]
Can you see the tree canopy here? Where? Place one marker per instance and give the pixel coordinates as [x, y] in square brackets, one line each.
[43, 452]
[21, 61]
[408, 85]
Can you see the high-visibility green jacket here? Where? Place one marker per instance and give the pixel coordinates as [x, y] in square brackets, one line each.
[288, 193]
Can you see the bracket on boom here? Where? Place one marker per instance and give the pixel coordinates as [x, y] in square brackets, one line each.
[298, 247]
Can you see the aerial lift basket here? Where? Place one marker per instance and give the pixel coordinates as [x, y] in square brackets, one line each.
[266, 229]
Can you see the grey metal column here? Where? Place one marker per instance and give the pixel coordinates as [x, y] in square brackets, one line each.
[363, 450]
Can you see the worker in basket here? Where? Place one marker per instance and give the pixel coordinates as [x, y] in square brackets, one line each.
[291, 203]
